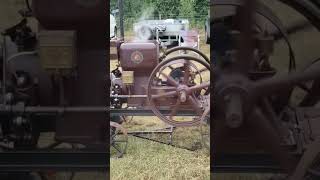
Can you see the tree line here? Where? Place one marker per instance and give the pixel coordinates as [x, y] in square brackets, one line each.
[195, 11]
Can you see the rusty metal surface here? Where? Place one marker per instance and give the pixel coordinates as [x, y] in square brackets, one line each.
[141, 57]
[182, 92]
[139, 63]
[58, 14]
[91, 88]
[72, 106]
[90, 84]
[240, 115]
[175, 49]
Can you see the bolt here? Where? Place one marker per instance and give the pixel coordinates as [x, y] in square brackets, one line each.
[183, 96]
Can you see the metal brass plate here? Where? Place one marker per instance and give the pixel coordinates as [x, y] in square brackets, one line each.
[57, 57]
[57, 49]
[127, 77]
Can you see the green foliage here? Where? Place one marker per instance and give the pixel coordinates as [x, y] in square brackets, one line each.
[167, 9]
[134, 10]
[187, 8]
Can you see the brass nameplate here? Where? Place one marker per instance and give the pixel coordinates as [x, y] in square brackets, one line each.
[57, 49]
[127, 77]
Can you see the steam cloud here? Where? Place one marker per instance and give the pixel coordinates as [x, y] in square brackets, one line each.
[141, 29]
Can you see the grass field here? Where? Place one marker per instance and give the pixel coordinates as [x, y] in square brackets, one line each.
[150, 160]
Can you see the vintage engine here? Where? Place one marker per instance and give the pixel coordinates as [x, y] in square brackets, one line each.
[58, 72]
[137, 60]
[170, 85]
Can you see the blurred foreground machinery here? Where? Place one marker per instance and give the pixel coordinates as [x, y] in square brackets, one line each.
[257, 126]
[55, 80]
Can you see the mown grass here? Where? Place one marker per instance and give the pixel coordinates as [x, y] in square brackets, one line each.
[150, 160]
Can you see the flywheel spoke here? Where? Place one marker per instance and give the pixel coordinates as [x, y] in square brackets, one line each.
[195, 105]
[175, 109]
[199, 86]
[170, 80]
[172, 93]
[176, 89]
[186, 68]
[277, 83]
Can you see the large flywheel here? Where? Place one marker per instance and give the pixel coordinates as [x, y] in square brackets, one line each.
[180, 84]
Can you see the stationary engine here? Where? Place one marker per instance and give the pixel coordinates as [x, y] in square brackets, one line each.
[54, 79]
[146, 79]
[137, 62]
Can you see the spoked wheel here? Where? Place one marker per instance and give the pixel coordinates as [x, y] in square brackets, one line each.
[178, 84]
[239, 98]
[309, 90]
[186, 50]
[118, 140]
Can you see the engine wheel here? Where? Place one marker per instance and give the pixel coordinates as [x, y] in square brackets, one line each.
[187, 50]
[189, 89]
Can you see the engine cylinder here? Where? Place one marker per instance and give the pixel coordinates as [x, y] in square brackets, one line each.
[139, 56]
